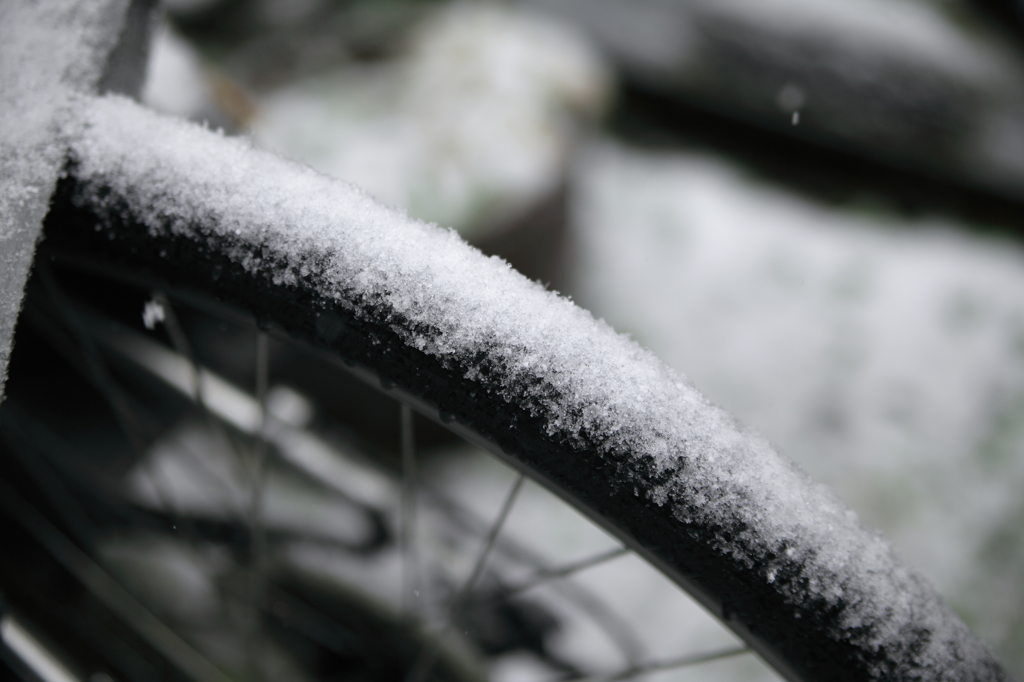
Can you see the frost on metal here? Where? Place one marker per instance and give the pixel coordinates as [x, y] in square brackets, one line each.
[593, 388]
[48, 51]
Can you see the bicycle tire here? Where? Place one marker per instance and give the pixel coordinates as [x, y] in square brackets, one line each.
[610, 429]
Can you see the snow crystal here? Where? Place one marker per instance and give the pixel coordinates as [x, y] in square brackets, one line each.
[152, 314]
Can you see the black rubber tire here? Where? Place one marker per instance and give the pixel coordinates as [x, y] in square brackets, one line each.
[802, 634]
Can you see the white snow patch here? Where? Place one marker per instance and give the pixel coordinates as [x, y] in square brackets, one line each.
[175, 82]
[470, 124]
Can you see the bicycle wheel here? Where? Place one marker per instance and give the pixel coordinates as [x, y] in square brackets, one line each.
[198, 506]
[523, 373]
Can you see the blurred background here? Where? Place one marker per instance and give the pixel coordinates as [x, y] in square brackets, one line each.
[812, 209]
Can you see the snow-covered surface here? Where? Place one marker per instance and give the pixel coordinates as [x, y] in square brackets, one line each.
[48, 50]
[594, 387]
[470, 124]
[885, 355]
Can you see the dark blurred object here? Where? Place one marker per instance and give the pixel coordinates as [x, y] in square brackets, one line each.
[265, 44]
[931, 92]
[1007, 13]
[499, 624]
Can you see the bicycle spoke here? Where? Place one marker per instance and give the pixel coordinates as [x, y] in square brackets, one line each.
[544, 576]
[181, 344]
[200, 384]
[96, 367]
[259, 473]
[428, 656]
[407, 538]
[671, 664]
[46, 665]
[618, 629]
[492, 535]
[131, 418]
[13, 429]
[257, 530]
[250, 433]
[104, 587]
